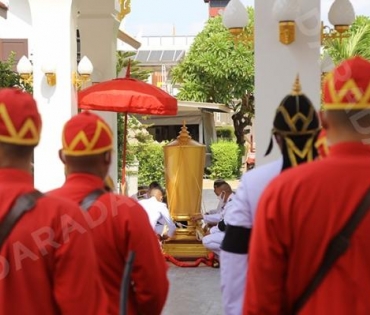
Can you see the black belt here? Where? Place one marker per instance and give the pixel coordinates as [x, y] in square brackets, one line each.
[236, 239]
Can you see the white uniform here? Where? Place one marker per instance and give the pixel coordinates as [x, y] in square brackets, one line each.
[214, 216]
[158, 215]
[239, 217]
[213, 240]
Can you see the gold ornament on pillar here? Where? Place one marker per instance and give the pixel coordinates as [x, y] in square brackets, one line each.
[84, 70]
[285, 12]
[341, 16]
[125, 9]
[184, 164]
[25, 70]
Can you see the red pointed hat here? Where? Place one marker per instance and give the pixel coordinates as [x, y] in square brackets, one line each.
[86, 134]
[20, 121]
[348, 86]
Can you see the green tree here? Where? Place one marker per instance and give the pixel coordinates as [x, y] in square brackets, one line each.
[136, 72]
[10, 78]
[357, 44]
[220, 69]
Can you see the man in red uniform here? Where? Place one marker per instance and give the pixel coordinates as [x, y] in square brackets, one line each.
[305, 207]
[47, 261]
[119, 224]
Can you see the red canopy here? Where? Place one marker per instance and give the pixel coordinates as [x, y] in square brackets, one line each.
[127, 95]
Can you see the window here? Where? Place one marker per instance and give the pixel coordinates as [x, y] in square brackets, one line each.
[218, 117]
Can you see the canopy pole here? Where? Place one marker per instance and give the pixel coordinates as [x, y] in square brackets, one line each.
[123, 179]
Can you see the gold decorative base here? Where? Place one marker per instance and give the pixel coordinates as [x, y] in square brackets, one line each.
[341, 28]
[287, 32]
[186, 250]
[236, 31]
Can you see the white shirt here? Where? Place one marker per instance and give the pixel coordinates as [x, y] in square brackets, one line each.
[216, 217]
[157, 211]
[241, 212]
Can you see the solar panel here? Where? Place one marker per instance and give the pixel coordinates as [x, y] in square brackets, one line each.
[179, 54]
[168, 55]
[142, 55]
[159, 56]
[155, 55]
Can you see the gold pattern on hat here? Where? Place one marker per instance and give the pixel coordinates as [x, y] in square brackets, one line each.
[293, 151]
[339, 97]
[81, 137]
[297, 89]
[19, 136]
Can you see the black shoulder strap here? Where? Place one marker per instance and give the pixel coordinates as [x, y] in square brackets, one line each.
[88, 201]
[336, 248]
[21, 205]
[125, 284]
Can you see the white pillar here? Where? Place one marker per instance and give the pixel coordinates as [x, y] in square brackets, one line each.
[53, 41]
[98, 32]
[278, 64]
[132, 178]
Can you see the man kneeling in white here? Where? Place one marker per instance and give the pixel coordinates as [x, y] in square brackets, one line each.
[213, 240]
[158, 214]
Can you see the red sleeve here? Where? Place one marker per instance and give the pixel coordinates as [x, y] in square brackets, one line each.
[77, 286]
[150, 269]
[267, 260]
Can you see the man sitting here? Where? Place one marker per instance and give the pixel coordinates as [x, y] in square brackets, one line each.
[213, 240]
[158, 214]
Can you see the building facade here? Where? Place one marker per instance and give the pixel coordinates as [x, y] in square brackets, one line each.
[215, 6]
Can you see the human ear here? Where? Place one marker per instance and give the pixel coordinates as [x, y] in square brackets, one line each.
[323, 119]
[62, 156]
[108, 157]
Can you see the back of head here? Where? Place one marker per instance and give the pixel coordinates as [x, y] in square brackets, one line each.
[20, 124]
[218, 182]
[157, 193]
[347, 100]
[154, 184]
[226, 188]
[86, 139]
[296, 125]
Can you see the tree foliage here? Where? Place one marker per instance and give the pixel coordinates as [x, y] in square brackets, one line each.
[220, 69]
[225, 160]
[136, 72]
[10, 78]
[357, 44]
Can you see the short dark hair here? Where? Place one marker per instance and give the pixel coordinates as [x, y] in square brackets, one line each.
[218, 183]
[17, 151]
[346, 119]
[85, 162]
[155, 184]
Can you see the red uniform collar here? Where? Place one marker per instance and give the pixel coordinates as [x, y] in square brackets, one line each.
[349, 149]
